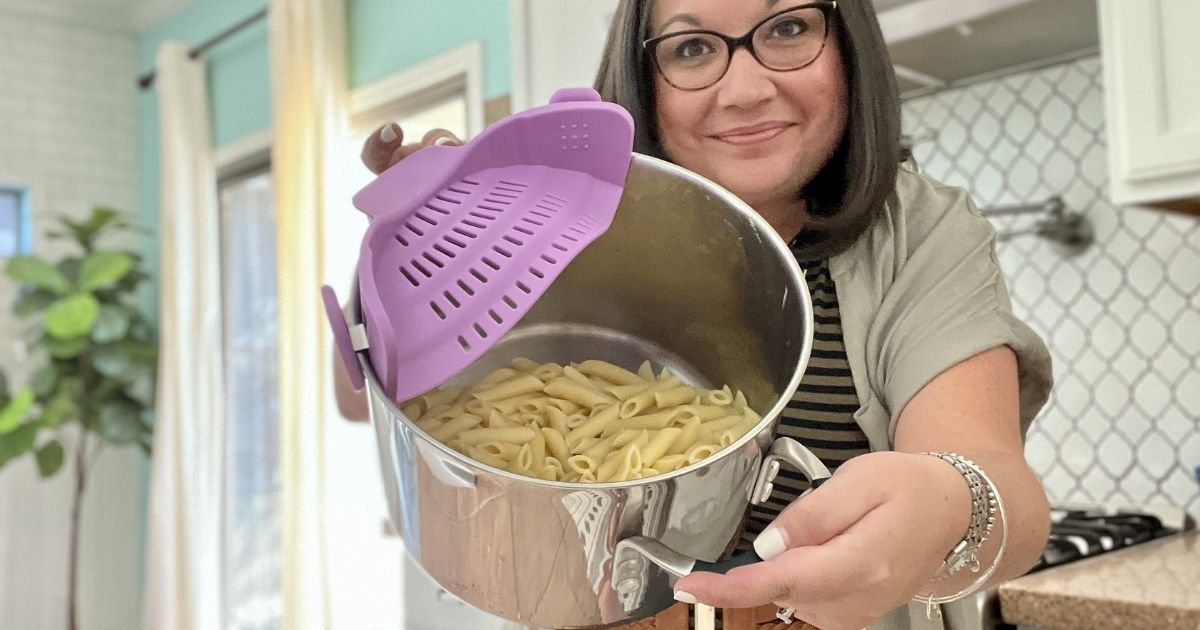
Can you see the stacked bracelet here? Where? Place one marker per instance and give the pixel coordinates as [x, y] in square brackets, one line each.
[983, 516]
[986, 507]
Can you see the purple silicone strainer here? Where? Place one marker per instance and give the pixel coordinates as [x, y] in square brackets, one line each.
[463, 241]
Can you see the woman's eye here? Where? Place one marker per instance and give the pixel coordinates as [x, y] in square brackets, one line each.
[693, 48]
[789, 27]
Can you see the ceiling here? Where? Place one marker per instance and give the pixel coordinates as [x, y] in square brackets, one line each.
[1022, 33]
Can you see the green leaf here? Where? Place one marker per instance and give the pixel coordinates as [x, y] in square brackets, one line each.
[112, 360]
[141, 388]
[118, 422]
[50, 458]
[44, 380]
[17, 443]
[112, 324]
[37, 272]
[3, 389]
[66, 348]
[72, 317]
[117, 359]
[103, 269]
[13, 414]
[69, 268]
[60, 409]
[30, 302]
[100, 218]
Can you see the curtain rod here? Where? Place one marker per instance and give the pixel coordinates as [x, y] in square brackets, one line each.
[147, 79]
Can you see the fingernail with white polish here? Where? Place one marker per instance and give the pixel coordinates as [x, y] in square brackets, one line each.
[387, 134]
[446, 141]
[685, 597]
[770, 543]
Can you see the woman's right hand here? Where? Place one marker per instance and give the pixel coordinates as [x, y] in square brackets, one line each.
[386, 147]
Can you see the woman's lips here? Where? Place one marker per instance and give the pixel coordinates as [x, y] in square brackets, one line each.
[753, 135]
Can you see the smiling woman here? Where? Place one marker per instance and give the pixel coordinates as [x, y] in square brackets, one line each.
[922, 383]
[834, 95]
[793, 107]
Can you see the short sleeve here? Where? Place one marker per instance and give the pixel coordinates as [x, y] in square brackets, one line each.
[948, 302]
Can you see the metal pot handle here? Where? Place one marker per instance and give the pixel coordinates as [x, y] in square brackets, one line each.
[632, 553]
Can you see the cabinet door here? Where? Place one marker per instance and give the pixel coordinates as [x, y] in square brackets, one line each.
[1153, 93]
[555, 44]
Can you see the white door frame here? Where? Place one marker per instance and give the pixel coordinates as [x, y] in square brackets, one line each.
[457, 70]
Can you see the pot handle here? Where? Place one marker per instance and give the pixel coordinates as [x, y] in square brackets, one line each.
[343, 337]
[633, 553]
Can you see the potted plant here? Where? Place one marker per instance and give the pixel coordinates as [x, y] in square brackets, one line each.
[93, 358]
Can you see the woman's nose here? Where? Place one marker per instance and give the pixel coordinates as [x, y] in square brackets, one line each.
[746, 83]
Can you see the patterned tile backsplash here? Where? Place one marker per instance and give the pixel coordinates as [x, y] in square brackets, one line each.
[1122, 319]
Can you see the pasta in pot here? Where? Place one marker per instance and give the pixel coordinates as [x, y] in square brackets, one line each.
[588, 422]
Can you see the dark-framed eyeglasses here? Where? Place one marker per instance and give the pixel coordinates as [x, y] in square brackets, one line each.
[788, 40]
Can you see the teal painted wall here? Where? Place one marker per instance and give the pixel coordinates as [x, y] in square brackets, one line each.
[384, 36]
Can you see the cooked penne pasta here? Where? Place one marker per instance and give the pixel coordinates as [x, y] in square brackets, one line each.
[702, 452]
[521, 364]
[556, 444]
[674, 396]
[548, 371]
[583, 422]
[517, 435]
[503, 450]
[587, 395]
[609, 372]
[448, 431]
[516, 386]
[503, 374]
[594, 425]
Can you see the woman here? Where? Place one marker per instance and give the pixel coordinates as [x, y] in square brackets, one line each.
[795, 110]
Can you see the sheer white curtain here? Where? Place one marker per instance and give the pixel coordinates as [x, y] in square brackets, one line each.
[183, 539]
[308, 87]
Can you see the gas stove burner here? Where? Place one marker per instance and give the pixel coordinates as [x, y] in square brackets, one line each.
[1083, 532]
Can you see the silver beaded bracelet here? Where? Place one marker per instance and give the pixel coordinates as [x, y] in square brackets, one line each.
[985, 508]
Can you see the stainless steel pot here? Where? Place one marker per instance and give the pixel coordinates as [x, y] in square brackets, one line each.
[687, 276]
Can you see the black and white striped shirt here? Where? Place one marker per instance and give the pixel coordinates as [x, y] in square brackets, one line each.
[821, 413]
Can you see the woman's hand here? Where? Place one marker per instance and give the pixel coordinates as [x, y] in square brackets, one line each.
[854, 549]
[386, 147]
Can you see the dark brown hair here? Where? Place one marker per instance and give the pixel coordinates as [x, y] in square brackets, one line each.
[851, 189]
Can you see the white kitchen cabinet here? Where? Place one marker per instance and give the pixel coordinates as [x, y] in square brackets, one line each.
[555, 44]
[1152, 91]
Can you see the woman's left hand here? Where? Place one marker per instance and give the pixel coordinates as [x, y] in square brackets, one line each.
[852, 550]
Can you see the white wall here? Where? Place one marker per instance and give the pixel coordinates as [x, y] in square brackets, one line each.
[1122, 319]
[68, 132]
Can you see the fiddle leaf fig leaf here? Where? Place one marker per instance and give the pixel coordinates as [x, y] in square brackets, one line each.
[72, 317]
[66, 348]
[30, 302]
[37, 272]
[17, 443]
[44, 380]
[102, 269]
[50, 458]
[118, 422]
[58, 410]
[112, 324]
[12, 415]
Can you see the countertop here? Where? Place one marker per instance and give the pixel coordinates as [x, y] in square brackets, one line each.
[1153, 585]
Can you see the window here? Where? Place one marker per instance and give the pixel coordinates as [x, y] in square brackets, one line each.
[251, 545]
[15, 230]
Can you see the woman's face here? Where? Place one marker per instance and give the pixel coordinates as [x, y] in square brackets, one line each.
[760, 133]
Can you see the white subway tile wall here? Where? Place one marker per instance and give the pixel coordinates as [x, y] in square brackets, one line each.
[68, 133]
[1122, 319]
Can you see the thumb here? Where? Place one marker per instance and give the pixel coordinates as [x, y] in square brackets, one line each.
[817, 517]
